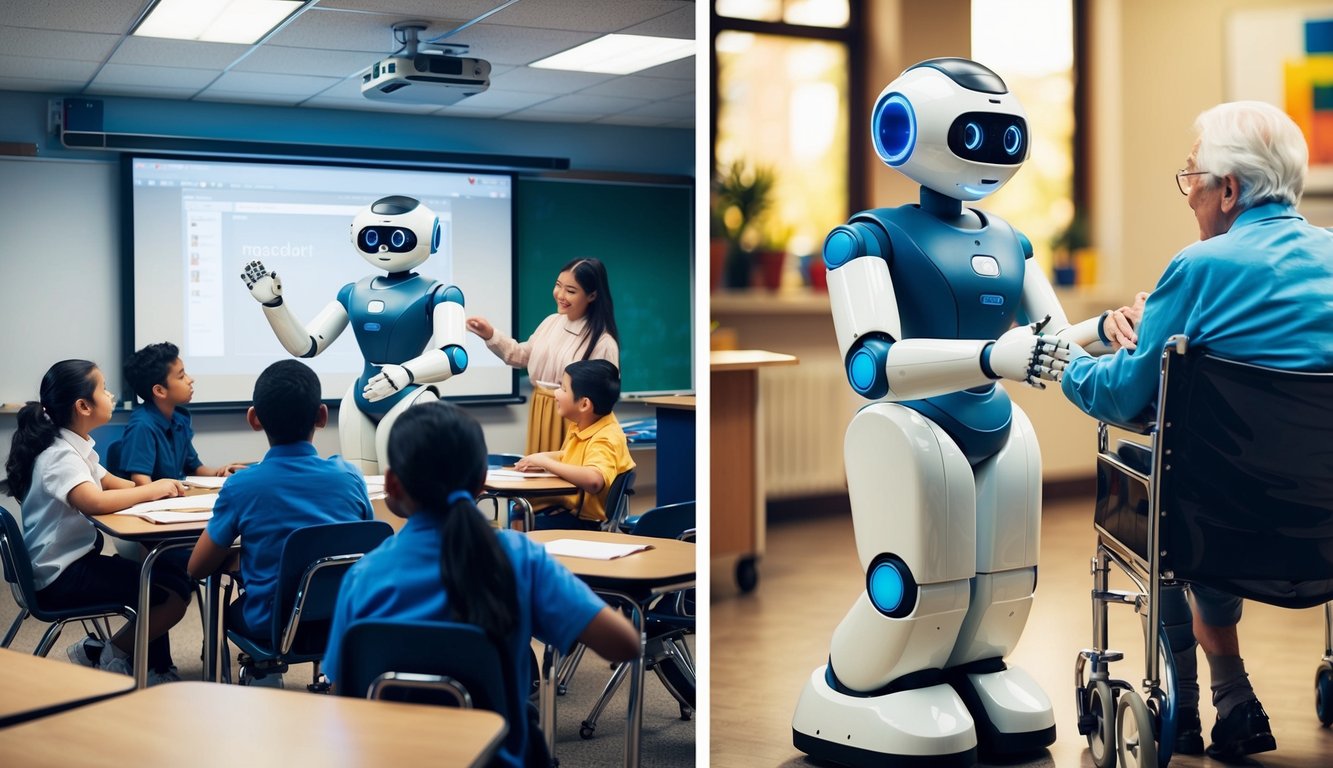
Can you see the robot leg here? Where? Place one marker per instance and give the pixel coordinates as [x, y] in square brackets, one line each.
[882, 699]
[422, 395]
[356, 435]
[1012, 713]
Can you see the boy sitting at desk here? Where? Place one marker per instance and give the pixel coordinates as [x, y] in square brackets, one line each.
[291, 488]
[595, 451]
[159, 441]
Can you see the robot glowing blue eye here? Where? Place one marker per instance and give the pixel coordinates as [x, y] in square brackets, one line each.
[1013, 140]
[894, 129]
[972, 136]
[372, 237]
[399, 237]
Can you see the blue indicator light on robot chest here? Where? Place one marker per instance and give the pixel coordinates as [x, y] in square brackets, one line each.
[992, 300]
[371, 326]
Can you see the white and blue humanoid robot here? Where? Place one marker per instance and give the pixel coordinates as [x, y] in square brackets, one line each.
[943, 471]
[411, 329]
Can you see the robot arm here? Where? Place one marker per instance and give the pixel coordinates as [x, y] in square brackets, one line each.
[302, 341]
[1039, 300]
[445, 356]
[883, 365]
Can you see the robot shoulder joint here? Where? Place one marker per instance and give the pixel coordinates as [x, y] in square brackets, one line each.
[853, 241]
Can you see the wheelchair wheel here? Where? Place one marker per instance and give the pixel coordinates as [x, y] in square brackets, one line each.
[1162, 703]
[1134, 744]
[1101, 705]
[1323, 693]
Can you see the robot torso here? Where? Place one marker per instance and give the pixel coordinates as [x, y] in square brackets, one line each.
[391, 316]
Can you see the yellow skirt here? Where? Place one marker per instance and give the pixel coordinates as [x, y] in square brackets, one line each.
[546, 430]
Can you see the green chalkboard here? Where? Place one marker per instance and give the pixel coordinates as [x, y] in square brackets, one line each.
[644, 235]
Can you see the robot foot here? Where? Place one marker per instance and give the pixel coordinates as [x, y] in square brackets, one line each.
[927, 727]
[1012, 713]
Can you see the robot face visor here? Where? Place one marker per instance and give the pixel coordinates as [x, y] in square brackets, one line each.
[381, 239]
[989, 137]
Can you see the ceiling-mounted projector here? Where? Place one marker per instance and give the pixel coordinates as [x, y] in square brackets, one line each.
[426, 79]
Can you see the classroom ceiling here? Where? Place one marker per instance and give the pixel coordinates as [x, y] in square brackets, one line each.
[83, 47]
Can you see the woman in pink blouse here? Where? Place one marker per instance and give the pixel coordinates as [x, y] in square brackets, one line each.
[582, 328]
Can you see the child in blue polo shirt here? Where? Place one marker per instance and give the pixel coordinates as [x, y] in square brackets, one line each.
[448, 564]
[291, 488]
[159, 441]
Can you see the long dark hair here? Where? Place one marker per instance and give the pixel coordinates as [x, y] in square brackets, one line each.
[39, 423]
[438, 453]
[591, 277]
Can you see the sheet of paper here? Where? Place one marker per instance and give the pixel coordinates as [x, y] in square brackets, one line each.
[593, 550]
[165, 518]
[514, 474]
[198, 503]
[203, 481]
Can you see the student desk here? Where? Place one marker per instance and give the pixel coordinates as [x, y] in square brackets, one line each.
[205, 724]
[159, 538]
[524, 491]
[630, 581]
[36, 687]
[675, 448]
[736, 485]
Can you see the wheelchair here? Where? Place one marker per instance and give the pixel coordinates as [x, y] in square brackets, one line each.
[1236, 493]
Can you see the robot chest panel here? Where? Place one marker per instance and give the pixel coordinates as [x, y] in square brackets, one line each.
[391, 323]
[956, 284]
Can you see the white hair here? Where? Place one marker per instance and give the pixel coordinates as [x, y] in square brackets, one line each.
[1260, 145]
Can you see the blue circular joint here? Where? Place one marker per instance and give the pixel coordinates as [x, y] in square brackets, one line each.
[973, 136]
[864, 369]
[887, 586]
[893, 127]
[840, 247]
[398, 238]
[371, 237]
[435, 237]
[1013, 140]
[457, 359]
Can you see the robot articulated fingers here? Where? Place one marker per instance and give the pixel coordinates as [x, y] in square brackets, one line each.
[943, 470]
[410, 328]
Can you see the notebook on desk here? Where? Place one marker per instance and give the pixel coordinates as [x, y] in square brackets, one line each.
[593, 550]
[514, 474]
[181, 509]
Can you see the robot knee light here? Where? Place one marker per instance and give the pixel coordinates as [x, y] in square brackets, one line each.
[890, 586]
[951, 125]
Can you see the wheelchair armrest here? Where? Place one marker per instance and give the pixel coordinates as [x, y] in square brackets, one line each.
[1137, 427]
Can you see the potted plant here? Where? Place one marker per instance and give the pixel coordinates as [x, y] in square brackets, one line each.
[1065, 249]
[742, 196]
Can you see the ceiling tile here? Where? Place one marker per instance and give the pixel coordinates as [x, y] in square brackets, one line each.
[111, 16]
[639, 120]
[550, 81]
[303, 86]
[681, 69]
[517, 45]
[248, 97]
[46, 69]
[159, 52]
[67, 85]
[336, 31]
[305, 61]
[536, 115]
[81, 46]
[155, 77]
[674, 110]
[677, 23]
[585, 104]
[100, 88]
[636, 86]
[470, 112]
[588, 15]
[507, 100]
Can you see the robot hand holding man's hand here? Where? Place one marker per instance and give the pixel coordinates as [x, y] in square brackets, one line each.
[1023, 354]
[265, 286]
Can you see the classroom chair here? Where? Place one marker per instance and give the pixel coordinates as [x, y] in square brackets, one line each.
[1236, 492]
[435, 663]
[106, 439]
[667, 620]
[18, 572]
[311, 569]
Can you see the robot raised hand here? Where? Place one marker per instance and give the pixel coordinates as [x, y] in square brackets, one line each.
[264, 285]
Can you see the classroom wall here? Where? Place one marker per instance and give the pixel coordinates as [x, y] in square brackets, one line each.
[59, 290]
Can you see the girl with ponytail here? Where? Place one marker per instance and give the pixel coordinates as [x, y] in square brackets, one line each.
[54, 473]
[449, 564]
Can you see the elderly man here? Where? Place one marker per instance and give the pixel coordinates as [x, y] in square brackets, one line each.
[1257, 288]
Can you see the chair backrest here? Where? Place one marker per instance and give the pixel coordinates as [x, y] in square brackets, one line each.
[1246, 478]
[310, 572]
[617, 499]
[17, 564]
[107, 438]
[666, 522]
[463, 652]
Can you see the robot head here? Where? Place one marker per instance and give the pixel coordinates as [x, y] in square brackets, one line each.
[951, 125]
[396, 233]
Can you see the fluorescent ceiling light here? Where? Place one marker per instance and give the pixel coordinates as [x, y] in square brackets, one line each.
[216, 21]
[619, 54]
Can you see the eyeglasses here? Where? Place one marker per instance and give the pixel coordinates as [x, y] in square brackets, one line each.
[1184, 182]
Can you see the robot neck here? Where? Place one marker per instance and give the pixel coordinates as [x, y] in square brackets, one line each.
[940, 206]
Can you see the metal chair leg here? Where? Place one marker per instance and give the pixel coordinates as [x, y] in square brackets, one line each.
[14, 628]
[590, 725]
[567, 667]
[49, 638]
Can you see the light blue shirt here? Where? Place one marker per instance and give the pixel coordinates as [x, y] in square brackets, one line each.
[291, 488]
[1262, 293]
[400, 579]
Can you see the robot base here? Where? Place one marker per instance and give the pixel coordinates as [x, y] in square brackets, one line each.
[926, 727]
[1012, 714]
